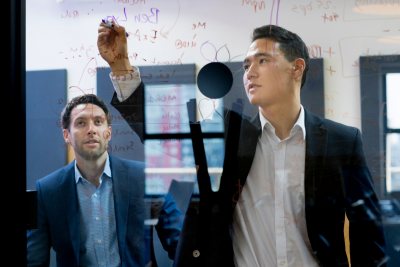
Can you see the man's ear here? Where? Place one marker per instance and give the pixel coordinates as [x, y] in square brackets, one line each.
[107, 133]
[298, 68]
[66, 136]
[299, 64]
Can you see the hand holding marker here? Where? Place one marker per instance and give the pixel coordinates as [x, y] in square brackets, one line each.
[110, 24]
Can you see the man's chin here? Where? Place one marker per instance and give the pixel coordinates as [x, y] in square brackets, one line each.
[92, 155]
[253, 101]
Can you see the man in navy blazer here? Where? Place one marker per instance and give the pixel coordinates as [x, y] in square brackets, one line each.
[59, 220]
[289, 183]
[91, 212]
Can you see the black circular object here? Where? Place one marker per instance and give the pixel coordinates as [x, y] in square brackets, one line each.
[214, 80]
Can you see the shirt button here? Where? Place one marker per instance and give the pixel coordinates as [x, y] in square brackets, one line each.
[97, 218]
[196, 253]
[99, 241]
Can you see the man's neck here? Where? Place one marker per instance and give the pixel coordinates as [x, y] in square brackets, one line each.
[282, 118]
[92, 169]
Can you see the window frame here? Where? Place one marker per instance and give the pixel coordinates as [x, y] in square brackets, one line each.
[373, 70]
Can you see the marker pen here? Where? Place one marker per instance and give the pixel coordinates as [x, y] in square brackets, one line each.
[110, 24]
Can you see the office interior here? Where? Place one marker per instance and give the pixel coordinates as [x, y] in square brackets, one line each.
[354, 80]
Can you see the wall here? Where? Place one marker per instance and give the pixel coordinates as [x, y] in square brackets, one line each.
[63, 33]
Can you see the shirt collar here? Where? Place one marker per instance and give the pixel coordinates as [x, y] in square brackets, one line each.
[300, 122]
[106, 171]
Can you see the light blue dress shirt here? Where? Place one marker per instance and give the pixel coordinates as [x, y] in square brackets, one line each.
[98, 236]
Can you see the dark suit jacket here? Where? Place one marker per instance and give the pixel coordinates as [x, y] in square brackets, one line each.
[58, 215]
[337, 182]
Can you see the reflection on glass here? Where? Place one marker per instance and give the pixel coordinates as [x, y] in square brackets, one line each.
[392, 98]
[165, 108]
[215, 159]
[168, 160]
[393, 162]
[172, 159]
[210, 113]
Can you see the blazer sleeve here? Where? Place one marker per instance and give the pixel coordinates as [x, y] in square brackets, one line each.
[132, 110]
[367, 243]
[38, 243]
[169, 225]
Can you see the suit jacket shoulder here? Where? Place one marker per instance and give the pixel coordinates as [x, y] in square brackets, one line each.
[57, 183]
[334, 128]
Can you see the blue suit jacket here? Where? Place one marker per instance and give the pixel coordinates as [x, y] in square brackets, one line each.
[58, 216]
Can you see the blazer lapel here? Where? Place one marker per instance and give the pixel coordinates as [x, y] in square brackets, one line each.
[121, 197]
[249, 134]
[69, 207]
[316, 148]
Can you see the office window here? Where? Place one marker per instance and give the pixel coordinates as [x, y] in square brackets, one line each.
[380, 94]
[392, 132]
[167, 146]
[168, 154]
[165, 109]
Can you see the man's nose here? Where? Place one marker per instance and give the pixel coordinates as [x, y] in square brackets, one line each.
[92, 128]
[251, 72]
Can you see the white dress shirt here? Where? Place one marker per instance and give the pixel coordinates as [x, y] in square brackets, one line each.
[269, 226]
[125, 85]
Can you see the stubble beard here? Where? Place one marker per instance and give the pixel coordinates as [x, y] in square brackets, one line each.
[94, 154]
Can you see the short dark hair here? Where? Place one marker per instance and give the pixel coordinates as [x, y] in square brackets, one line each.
[83, 99]
[290, 44]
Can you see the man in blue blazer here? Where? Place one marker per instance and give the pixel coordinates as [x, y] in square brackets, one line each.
[289, 183]
[91, 212]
